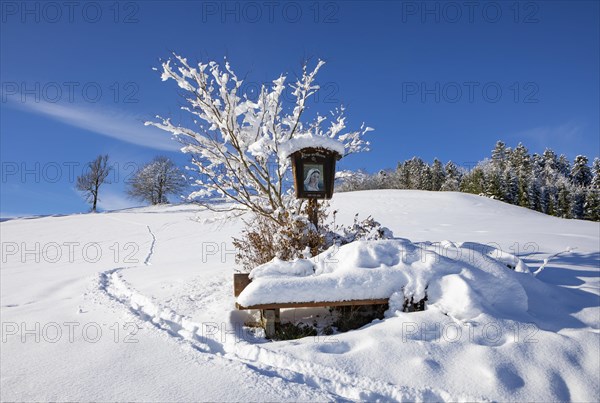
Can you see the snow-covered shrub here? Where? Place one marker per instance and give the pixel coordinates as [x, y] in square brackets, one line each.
[240, 143]
[291, 238]
[264, 240]
[367, 229]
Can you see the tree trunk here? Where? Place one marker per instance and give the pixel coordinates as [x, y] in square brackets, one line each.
[313, 212]
[96, 188]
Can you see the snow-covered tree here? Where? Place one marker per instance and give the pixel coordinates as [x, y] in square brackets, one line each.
[495, 173]
[348, 181]
[240, 144]
[453, 177]
[596, 174]
[581, 175]
[90, 181]
[500, 156]
[155, 180]
[426, 182]
[510, 186]
[473, 181]
[415, 168]
[550, 177]
[563, 166]
[550, 172]
[592, 205]
[563, 199]
[520, 163]
[402, 176]
[536, 190]
[383, 179]
[577, 196]
[545, 183]
[438, 175]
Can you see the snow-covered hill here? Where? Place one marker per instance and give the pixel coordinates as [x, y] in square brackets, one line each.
[138, 305]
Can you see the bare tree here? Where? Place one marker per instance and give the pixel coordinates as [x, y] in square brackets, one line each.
[89, 182]
[155, 180]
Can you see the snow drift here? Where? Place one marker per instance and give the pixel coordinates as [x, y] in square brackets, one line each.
[461, 281]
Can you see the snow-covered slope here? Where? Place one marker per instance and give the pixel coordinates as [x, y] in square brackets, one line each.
[138, 305]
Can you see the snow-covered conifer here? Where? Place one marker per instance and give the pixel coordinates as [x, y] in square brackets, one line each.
[473, 181]
[403, 175]
[596, 174]
[563, 166]
[453, 176]
[577, 196]
[592, 204]
[499, 156]
[521, 163]
[415, 167]
[437, 175]
[426, 182]
[581, 175]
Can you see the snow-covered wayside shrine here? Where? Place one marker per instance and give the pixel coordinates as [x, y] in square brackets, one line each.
[137, 305]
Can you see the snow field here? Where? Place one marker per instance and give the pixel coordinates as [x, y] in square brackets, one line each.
[514, 336]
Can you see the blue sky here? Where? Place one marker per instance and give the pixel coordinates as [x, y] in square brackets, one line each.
[435, 79]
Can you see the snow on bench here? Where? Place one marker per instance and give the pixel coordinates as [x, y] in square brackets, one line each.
[270, 312]
[462, 279]
[242, 280]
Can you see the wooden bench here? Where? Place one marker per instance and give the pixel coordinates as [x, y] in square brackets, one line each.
[270, 313]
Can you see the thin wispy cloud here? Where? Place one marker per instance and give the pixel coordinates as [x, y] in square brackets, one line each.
[111, 200]
[104, 121]
[561, 137]
[547, 136]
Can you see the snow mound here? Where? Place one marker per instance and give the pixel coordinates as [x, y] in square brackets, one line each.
[460, 280]
[278, 267]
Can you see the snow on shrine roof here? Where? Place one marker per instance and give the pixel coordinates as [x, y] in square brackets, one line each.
[308, 140]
